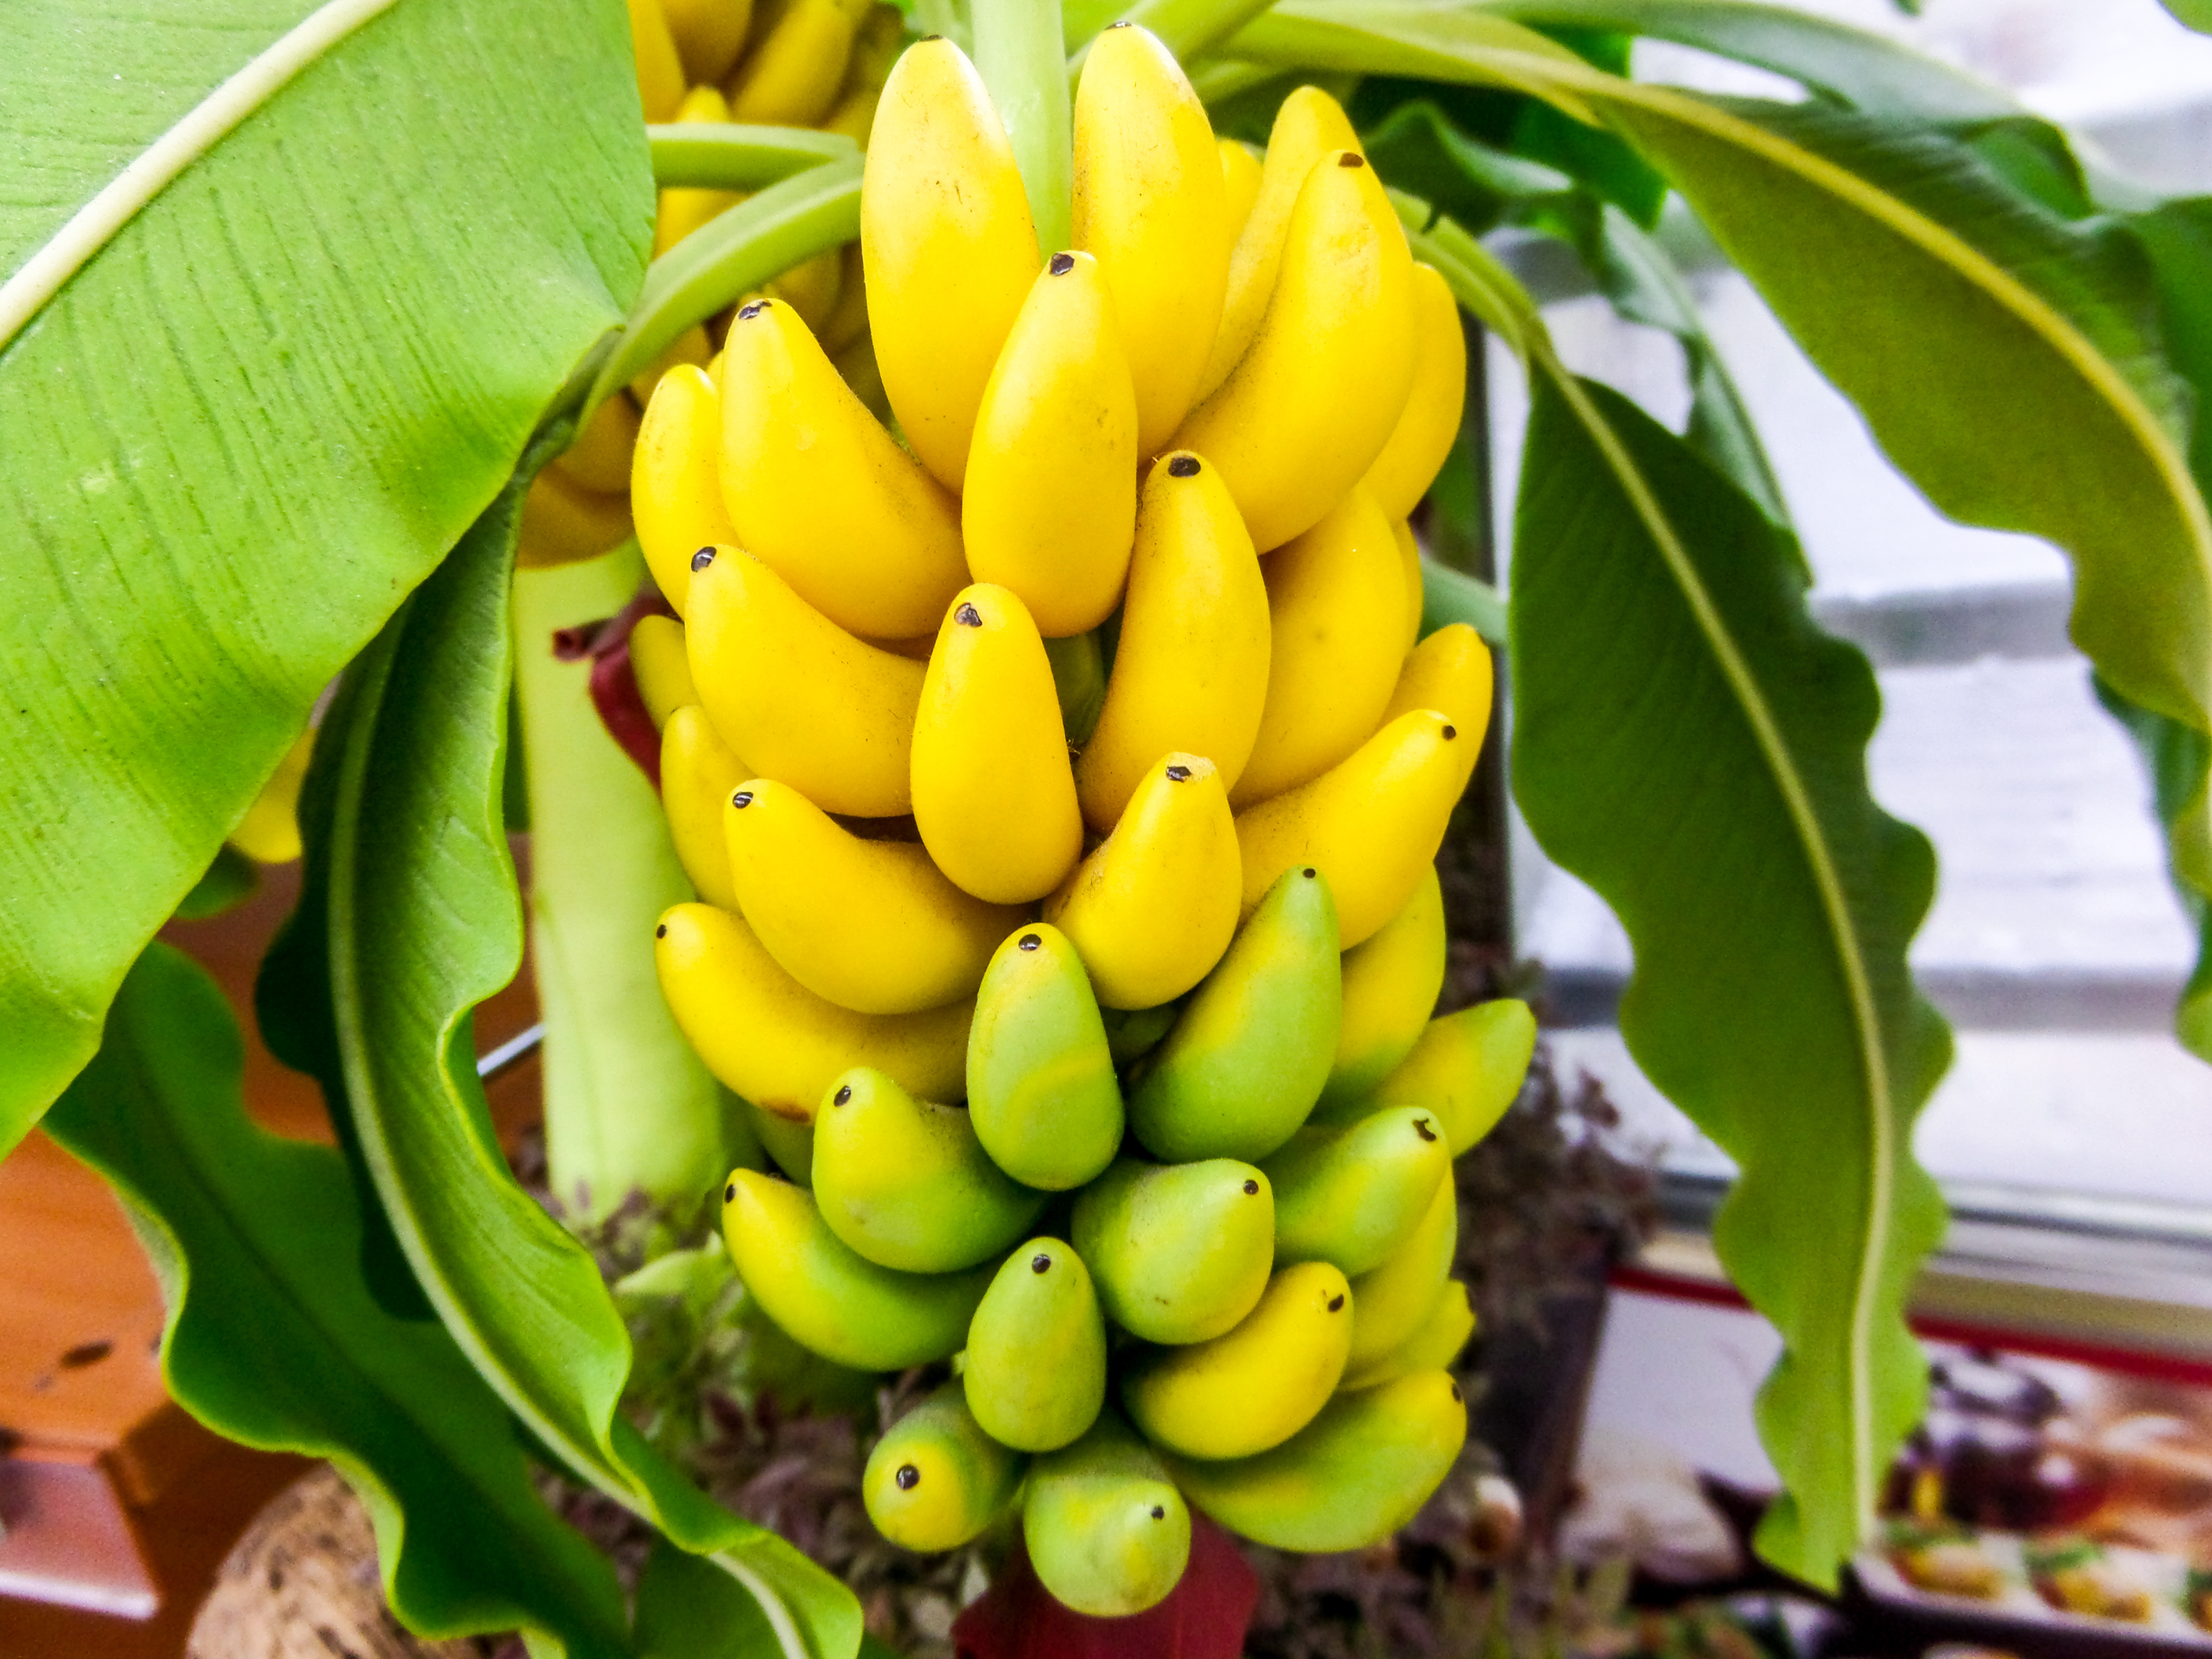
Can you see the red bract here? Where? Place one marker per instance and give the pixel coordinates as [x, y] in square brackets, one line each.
[614, 683]
[1205, 1617]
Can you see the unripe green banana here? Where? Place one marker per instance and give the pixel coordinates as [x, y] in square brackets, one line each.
[1154, 906]
[1255, 1385]
[1041, 1087]
[1179, 1252]
[1301, 418]
[1391, 984]
[935, 1479]
[1336, 608]
[1037, 1350]
[1371, 823]
[1149, 204]
[805, 702]
[831, 1299]
[904, 1182]
[872, 925]
[1428, 425]
[1246, 1059]
[676, 480]
[1348, 1480]
[1190, 666]
[1450, 671]
[1049, 503]
[820, 494]
[697, 773]
[1390, 1301]
[948, 245]
[993, 796]
[1466, 1068]
[788, 1143]
[1106, 1531]
[663, 671]
[1352, 1196]
[1435, 1344]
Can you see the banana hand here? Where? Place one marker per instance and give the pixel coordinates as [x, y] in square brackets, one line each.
[662, 668]
[1450, 672]
[1390, 1301]
[1429, 424]
[1352, 1197]
[1036, 1351]
[935, 1479]
[1179, 1252]
[675, 479]
[697, 774]
[1041, 1086]
[1391, 984]
[1106, 1531]
[791, 76]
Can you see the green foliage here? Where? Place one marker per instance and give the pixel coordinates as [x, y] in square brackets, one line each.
[257, 416]
[274, 1339]
[225, 885]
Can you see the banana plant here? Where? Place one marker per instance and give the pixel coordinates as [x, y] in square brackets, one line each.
[299, 303]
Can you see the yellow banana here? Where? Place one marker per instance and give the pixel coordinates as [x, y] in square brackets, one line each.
[662, 670]
[563, 522]
[697, 774]
[1371, 823]
[1310, 125]
[993, 795]
[660, 71]
[821, 493]
[1310, 406]
[849, 321]
[1260, 1383]
[1409, 556]
[936, 1479]
[675, 479]
[869, 925]
[1050, 501]
[598, 460]
[811, 287]
[1390, 1301]
[1434, 1346]
[1428, 426]
[790, 78]
[1350, 1478]
[1150, 204]
[1336, 606]
[1391, 984]
[684, 209]
[269, 833]
[691, 346]
[1191, 669]
[948, 245]
[1450, 672]
[1239, 188]
[1466, 1068]
[709, 34]
[767, 1037]
[803, 700]
[1153, 908]
[882, 38]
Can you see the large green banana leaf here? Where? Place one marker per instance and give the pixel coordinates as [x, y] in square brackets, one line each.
[260, 407]
[409, 916]
[274, 1339]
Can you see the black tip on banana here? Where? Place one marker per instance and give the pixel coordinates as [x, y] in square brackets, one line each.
[1184, 466]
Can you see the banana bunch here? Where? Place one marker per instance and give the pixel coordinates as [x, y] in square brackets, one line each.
[1073, 754]
[778, 62]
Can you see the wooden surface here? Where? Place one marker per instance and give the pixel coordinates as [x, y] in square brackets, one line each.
[105, 1475]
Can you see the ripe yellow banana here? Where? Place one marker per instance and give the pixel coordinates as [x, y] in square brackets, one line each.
[871, 926]
[1390, 1301]
[709, 34]
[1391, 984]
[1153, 908]
[849, 320]
[1310, 125]
[675, 479]
[1257, 1385]
[685, 209]
[811, 287]
[1409, 554]
[936, 1479]
[598, 460]
[1371, 823]
[658, 662]
[821, 493]
[803, 700]
[1050, 501]
[1450, 671]
[948, 245]
[1310, 406]
[766, 1038]
[1429, 424]
[1435, 1346]
[1150, 204]
[563, 522]
[697, 773]
[791, 76]
[882, 38]
[1191, 669]
[1350, 1478]
[993, 798]
[1240, 189]
[660, 71]
[1336, 607]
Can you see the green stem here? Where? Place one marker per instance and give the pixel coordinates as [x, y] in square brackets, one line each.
[1019, 55]
[1187, 28]
[716, 155]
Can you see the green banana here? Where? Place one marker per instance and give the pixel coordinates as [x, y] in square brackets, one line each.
[1244, 1064]
[1037, 1350]
[1349, 1479]
[829, 1297]
[788, 1143]
[1180, 1252]
[1352, 1195]
[1443, 1332]
[1260, 1383]
[1106, 1531]
[1391, 984]
[1466, 1068]
[936, 1479]
[1041, 1089]
[1390, 1300]
[906, 1183]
